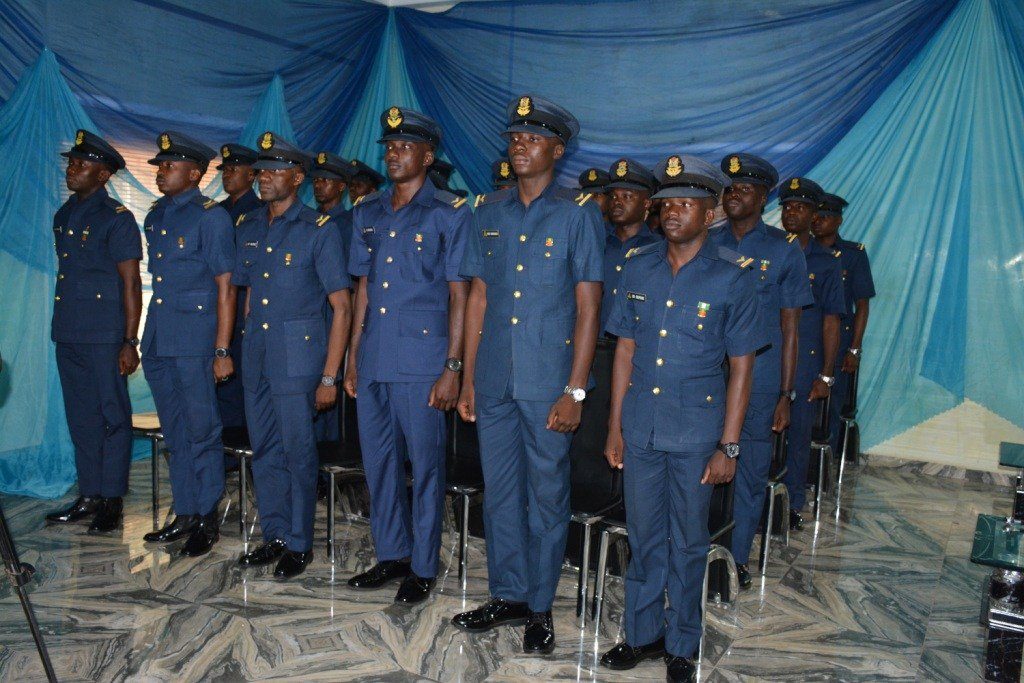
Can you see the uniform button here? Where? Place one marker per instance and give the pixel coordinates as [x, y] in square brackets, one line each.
[383, 310]
[56, 298]
[266, 301]
[522, 238]
[663, 333]
[660, 361]
[60, 276]
[547, 254]
[200, 307]
[391, 234]
[519, 267]
[656, 391]
[266, 326]
[517, 294]
[618, 269]
[159, 278]
[700, 326]
[708, 399]
[159, 301]
[270, 249]
[163, 232]
[812, 352]
[515, 321]
[426, 331]
[159, 255]
[369, 249]
[307, 337]
[385, 285]
[266, 275]
[568, 342]
[388, 259]
[615, 290]
[670, 303]
[64, 255]
[99, 296]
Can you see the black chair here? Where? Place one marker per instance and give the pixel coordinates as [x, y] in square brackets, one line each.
[849, 430]
[820, 442]
[464, 481]
[147, 426]
[341, 461]
[773, 516]
[236, 443]
[595, 489]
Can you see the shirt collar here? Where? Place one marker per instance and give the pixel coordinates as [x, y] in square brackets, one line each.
[547, 192]
[423, 196]
[184, 197]
[97, 196]
[707, 250]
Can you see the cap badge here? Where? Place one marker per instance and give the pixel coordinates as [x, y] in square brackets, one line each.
[225, 152]
[267, 140]
[525, 106]
[592, 176]
[80, 137]
[165, 142]
[504, 171]
[622, 169]
[394, 117]
[321, 158]
[794, 184]
[734, 165]
[674, 167]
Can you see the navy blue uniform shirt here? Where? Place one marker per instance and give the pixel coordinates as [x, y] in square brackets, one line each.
[684, 326]
[857, 284]
[825, 276]
[290, 267]
[91, 237]
[531, 259]
[780, 275]
[342, 220]
[408, 257]
[190, 242]
[615, 251]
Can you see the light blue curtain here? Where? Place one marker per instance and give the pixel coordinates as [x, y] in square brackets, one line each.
[933, 172]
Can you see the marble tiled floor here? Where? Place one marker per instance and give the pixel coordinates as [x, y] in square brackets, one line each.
[879, 590]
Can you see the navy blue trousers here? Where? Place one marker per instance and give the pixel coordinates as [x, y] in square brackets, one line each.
[802, 417]
[230, 398]
[185, 395]
[526, 498]
[752, 472]
[99, 416]
[395, 424]
[667, 518]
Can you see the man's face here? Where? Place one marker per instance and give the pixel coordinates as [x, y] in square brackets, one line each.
[84, 175]
[174, 177]
[278, 184]
[327, 190]
[743, 200]
[797, 216]
[532, 154]
[627, 206]
[359, 187]
[683, 219]
[407, 160]
[826, 225]
[237, 178]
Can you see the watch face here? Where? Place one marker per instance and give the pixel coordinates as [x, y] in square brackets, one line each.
[578, 395]
[327, 381]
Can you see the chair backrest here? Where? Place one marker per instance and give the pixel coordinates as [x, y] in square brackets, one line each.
[780, 453]
[594, 486]
[849, 407]
[720, 511]
[822, 427]
[349, 427]
[462, 451]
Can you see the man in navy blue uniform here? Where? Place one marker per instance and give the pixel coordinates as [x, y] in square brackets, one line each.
[858, 288]
[535, 255]
[440, 174]
[594, 182]
[237, 176]
[780, 273]
[362, 181]
[818, 334]
[96, 309]
[330, 178]
[290, 258]
[674, 427]
[185, 348]
[407, 337]
[629, 198]
[503, 176]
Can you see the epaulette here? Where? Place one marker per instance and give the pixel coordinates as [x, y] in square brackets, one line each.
[153, 205]
[836, 253]
[205, 202]
[449, 198]
[322, 219]
[790, 237]
[240, 219]
[490, 197]
[860, 245]
[734, 257]
[117, 206]
[582, 198]
[577, 196]
[311, 215]
[365, 198]
[645, 249]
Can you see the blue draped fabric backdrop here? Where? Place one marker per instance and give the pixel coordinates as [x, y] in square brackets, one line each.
[909, 108]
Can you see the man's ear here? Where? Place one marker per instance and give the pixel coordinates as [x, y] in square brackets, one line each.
[559, 150]
[429, 157]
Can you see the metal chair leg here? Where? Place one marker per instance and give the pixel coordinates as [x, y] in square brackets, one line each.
[584, 574]
[464, 541]
[243, 501]
[719, 553]
[784, 495]
[824, 460]
[599, 579]
[766, 535]
[154, 445]
[331, 493]
[703, 611]
[227, 509]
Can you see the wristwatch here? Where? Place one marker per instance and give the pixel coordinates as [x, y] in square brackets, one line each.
[731, 450]
[222, 352]
[453, 364]
[827, 380]
[134, 341]
[791, 394]
[853, 352]
[327, 380]
[577, 393]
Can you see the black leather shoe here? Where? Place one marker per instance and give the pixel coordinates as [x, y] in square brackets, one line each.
[180, 527]
[624, 656]
[681, 670]
[204, 534]
[494, 612]
[269, 552]
[84, 507]
[292, 563]
[414, 589]
[380, 574]
[108, 516]
[744, 576]
[539, 637]
[796, 522]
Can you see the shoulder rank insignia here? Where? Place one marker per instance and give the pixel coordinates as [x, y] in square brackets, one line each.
[459, 201]
[479, 200]
[836, 253]
[860, 246]
[323, 218]
[631, 252]
[240, 219]
[358, 199]
[121, 209]
[153, 205]
[209, 203]
[790, 237]
[583, 197]
[744, 262]
[810, 276]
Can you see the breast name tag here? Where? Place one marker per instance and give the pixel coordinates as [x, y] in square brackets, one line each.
[634, 296]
